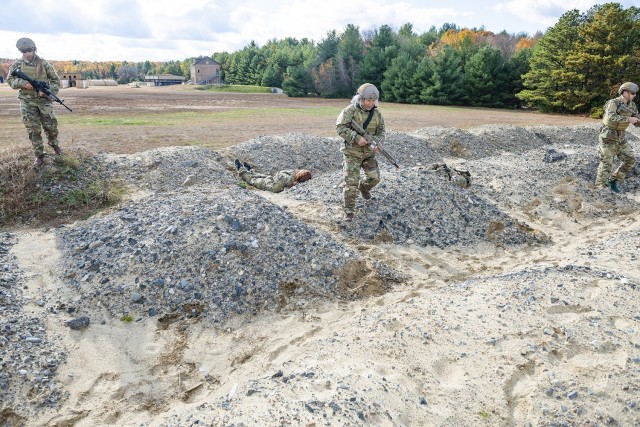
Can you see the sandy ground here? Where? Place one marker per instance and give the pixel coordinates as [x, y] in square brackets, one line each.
[461, 343]
[442, 349]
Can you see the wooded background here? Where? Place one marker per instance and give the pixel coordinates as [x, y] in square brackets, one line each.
[574, 67]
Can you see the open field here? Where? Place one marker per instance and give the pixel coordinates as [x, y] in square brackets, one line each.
[128, 120]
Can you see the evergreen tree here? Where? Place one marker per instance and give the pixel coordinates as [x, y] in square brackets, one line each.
[398, 83]
[378, 57]
[485, 78]
[349, 56]
[297, 81]
[517, 67]
[548, 82]
[327, 48]
[446, 86]
[604, 58]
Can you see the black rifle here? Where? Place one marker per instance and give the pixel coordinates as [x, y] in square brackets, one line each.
[40, 87]
[371, 140]
[628, 110]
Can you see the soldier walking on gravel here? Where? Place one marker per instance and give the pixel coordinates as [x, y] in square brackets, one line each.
[356, 152]
[35, 107]
[619, 113]
[274, 183]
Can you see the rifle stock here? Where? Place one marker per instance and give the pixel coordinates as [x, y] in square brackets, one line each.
[372, 142]
[40, 87]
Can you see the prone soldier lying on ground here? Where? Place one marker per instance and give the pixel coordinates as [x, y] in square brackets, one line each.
[459, 177]
[274, 183]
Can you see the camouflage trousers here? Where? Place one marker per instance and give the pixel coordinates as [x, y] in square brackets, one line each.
[274, 183]
[37, 114]
[353, 182]
[608, 149]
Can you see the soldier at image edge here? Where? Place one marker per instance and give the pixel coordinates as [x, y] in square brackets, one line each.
[35, 107]
[274, 183]
[356, 152]
[619, 113]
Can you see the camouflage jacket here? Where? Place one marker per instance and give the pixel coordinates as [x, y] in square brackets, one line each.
[616, 118]
[37, 69]
[274, 183]
[344, 129]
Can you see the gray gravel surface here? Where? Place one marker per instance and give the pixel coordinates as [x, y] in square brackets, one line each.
[195, 244]
[29, 354]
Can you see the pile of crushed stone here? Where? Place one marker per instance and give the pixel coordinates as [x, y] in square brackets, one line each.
[493, 140]
[208, 253]
[201, 244]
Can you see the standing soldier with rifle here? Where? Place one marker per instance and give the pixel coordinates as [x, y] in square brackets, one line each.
[357, 152]
[619, 113]
[35, 105]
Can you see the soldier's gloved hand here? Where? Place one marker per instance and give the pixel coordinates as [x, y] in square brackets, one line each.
[633, 120]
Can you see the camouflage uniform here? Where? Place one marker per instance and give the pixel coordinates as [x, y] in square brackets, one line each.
[37, 112]
[356, 157]
[274, 183]
[612, 142]
[458, 177]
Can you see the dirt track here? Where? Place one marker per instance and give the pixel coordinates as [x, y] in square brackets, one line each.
[126, 120]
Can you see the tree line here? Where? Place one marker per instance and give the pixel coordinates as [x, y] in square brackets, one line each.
[574, 67]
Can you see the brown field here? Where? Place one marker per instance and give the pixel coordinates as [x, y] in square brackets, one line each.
[126, 120]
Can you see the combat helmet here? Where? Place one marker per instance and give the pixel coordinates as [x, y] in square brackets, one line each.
[368, 91]
[25, 43]
[630, 86]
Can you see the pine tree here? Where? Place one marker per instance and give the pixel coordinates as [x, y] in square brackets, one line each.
[382, 50]
[548, 83]
[446, 86]
[604, 59]
[485, 78]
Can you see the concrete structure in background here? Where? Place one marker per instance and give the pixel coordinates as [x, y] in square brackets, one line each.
[71, 78]
[163, 80]
[205, 71]
[100, 82]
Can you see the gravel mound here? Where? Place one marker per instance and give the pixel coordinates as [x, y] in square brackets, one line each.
[270, 154]
[558, 177]
[211, 253]
[165, 169]
[416, 206]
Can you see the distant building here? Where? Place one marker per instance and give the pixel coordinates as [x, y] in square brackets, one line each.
[164, 80]
[205, 71]
[71, 78]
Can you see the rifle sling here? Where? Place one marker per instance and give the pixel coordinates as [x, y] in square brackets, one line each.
[366, 122]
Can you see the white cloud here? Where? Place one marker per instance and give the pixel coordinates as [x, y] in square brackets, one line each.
[543, 12]
[161, 30]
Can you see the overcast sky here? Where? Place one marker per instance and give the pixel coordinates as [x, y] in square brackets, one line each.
[162, 30]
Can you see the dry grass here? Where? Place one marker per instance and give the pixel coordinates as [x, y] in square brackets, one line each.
[129, 120]
[65, 188]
